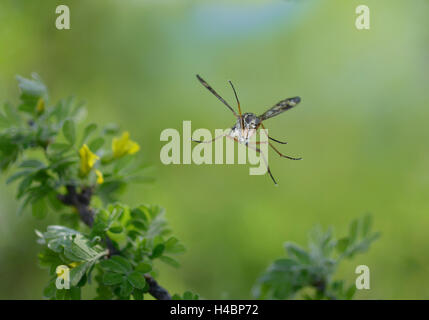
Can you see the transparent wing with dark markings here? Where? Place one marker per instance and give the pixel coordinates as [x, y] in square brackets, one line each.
[280, 107]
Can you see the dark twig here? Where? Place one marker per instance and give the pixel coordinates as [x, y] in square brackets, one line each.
[320, 286]
[156, 290]
[81, 201]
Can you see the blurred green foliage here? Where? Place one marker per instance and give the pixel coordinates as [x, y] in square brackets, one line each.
[361, 127]
[314, 268]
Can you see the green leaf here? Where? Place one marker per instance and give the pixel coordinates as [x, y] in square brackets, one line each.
[78, 272]
[296, 252]
[58, 148]
[137, 280]
[61, 294]
[11, 113]
[283, 265]
[350, 292]
[116, 264]
[23, 205]
[126, 265]
[69, 131]
[61, 165]
[113, 266]
[24, 185]
[18, 175]
[72, 245]
[39, 208]
[4, 122]
[173, 245]
[31, 87]
[75, 293]
[170, 261]
[96, 144]
[126, 289]
[89, 129]
[112, 278]
[144, 267]
[139, 224]
[342, 244]
[366, 225]
[138, 295]
[85, 277]
[116, 229]
[157, 251]
[353, 233]
[32, 164]
[78, 251]
[188, 295]
[111, 129]
[50, 290]
[55, 203]
[28, 106]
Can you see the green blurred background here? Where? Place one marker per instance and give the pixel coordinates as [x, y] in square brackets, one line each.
[361, 127]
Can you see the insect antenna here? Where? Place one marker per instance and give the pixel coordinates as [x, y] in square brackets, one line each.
[205, 84]
[238, 104]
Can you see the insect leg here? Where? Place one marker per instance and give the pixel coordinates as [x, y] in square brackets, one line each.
[276, 140]
[210, 141]
[265, 160]
[265, 131]
[281, 154]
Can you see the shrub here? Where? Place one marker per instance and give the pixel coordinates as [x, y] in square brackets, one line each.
[79, 174]
[314, 268]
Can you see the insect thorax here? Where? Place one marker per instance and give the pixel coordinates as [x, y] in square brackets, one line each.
[250, 124]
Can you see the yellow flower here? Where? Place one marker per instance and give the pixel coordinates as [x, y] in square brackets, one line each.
[123, 145]
[63, 268]
[87, 160]
[99, 175]
[40, 107]
[60, 270]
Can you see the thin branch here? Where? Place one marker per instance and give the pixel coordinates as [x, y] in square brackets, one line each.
[321, 289]
[156, 290]
[81, 202]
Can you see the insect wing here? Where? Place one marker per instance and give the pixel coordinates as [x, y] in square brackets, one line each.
[280, 107]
